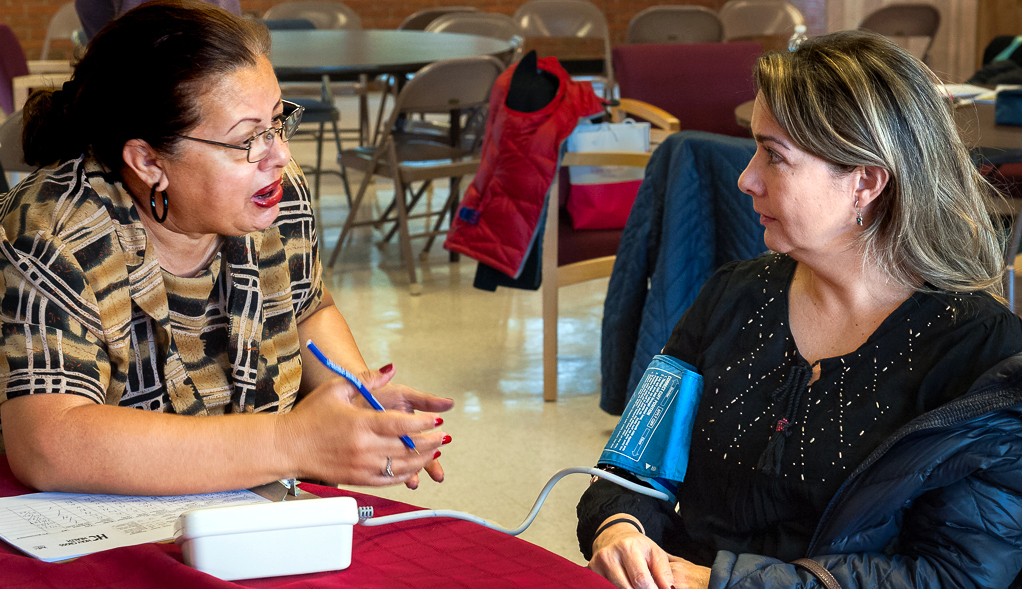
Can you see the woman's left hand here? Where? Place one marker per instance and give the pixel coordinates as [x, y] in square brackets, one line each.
[399, 397]
[688, 575]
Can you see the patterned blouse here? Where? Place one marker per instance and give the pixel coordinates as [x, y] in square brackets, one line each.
[87, 310]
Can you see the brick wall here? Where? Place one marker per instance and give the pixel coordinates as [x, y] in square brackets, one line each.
[29, 18]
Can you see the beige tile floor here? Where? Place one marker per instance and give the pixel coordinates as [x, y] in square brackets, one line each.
[484, 350]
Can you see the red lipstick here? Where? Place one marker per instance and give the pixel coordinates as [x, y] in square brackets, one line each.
[268, 196]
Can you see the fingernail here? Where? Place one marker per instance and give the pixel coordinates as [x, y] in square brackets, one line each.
[437, 455]
[386, 369]
[439, 421]
[446, 440]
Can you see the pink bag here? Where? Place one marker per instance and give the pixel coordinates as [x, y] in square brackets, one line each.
[602, 206]
[602, 197]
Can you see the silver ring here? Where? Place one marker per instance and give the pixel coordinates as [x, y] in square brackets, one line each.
[387, 470]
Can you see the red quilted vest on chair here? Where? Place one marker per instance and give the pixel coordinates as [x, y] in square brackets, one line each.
[498, 217]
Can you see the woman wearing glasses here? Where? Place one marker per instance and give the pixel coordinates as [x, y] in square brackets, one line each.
[165, 259]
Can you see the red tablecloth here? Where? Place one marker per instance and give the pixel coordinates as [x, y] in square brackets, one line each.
[419, 554]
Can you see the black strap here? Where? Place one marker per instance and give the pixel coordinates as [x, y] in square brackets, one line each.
[821, 573]
[620, 520]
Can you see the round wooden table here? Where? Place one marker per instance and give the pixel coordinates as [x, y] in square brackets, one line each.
[345, 55]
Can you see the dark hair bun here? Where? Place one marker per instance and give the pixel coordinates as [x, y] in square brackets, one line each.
[139, 79]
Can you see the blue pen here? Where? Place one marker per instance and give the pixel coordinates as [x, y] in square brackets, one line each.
[357, 384]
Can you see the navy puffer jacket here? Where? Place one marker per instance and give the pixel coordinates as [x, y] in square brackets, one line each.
[939, 504]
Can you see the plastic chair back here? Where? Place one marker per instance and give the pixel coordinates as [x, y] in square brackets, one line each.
[675, 24]
[486, 24]
[12, 65]
[12, 156]
[448, 85]
[62, 25]
[567, 18]
[700, 84]
[418, 21]
[905, 21]
[561, 18]
[755, 18]
[325, 15]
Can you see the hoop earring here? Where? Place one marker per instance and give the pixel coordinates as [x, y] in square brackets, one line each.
[166, 205]
[858, 213]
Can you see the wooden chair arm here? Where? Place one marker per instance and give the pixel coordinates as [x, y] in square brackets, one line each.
[658, 117]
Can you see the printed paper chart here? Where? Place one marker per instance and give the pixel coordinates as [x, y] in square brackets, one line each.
[59, 526]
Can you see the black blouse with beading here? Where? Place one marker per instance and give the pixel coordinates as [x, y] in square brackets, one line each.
[739, 498]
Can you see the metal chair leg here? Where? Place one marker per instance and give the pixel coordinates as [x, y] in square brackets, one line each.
[363, 110]
[383, 102]
[453, 256]
[412, 202]
[319, 159]
[349, 222]
[344, 173]
[402, 220]
[443, 213]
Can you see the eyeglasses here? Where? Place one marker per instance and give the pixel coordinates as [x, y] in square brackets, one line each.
[259, 145]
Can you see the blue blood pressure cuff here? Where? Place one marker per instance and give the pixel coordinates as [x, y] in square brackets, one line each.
[653, 436]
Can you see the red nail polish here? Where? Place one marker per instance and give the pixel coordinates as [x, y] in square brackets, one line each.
[446, 440]
[386, 369]
[439, 421]
[437, 455]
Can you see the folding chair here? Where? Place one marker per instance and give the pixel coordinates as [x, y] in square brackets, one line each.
[326, 15]
[323, 15]
[62, 25]
[745, 19]
[417, 21]
[905, 22]
[675, 24]
[578, 19]
[485, 24]
[447, 86]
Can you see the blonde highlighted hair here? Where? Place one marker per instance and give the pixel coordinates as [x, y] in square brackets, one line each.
[853, 98]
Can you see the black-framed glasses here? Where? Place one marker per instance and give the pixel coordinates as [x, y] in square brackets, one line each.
[260, 144]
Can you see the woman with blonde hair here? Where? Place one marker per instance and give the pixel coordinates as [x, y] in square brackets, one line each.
[860, 411]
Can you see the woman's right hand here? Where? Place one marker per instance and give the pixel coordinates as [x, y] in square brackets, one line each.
[326, 437]
[628, 559]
